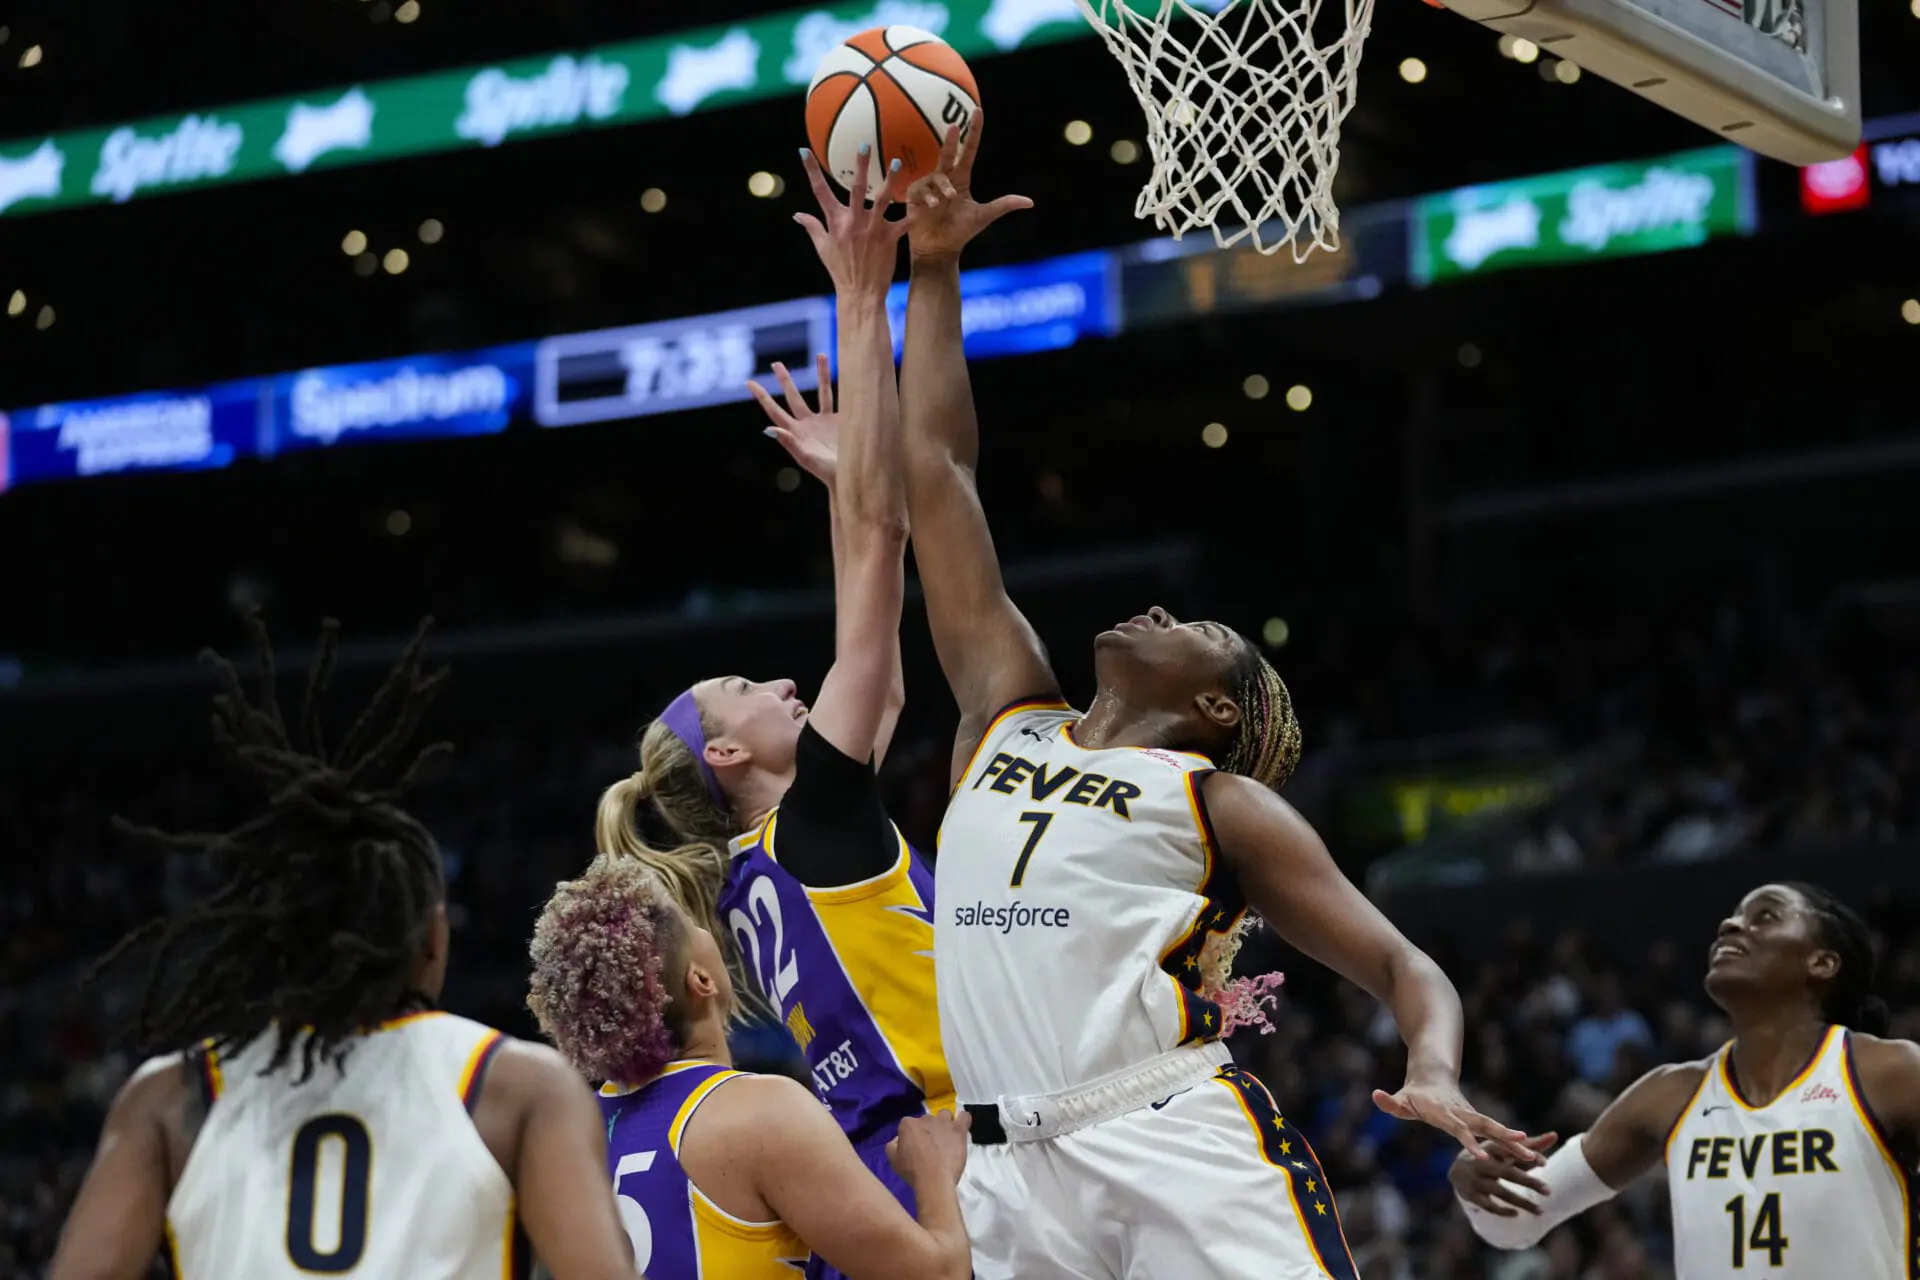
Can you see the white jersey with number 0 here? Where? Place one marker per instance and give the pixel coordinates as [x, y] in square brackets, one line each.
[377, 1172]
[1074, 891]
[1804, 1188]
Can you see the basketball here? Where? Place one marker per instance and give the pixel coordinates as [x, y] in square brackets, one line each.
[896, 89]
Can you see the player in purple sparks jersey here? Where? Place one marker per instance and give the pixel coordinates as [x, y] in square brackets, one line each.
[784, 850]
[721, 1175]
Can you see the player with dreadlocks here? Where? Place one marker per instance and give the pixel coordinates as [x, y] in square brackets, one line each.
[308, 1110]
[1789, 1153]
[1094, 872]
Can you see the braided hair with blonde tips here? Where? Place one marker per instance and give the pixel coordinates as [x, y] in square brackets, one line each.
[1266, 742]
[323, 917]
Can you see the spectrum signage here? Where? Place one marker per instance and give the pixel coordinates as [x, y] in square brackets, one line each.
[415, 398]
[1582, 215]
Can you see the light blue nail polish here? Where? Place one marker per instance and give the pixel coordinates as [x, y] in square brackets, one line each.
[804, 153]
[894, 167]
[866, 148]
[770, 434]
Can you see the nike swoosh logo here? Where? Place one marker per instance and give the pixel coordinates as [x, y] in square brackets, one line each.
[1707, 1111]
[1169, 1098]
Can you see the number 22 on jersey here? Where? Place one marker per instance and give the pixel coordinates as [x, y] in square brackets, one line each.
[783, 974]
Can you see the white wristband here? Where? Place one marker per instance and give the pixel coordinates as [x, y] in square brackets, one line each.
[1574, 1188]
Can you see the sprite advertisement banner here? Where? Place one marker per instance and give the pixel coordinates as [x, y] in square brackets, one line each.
[485, 106]
[1580, 215]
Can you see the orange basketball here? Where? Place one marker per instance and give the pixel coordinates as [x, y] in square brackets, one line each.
[896, 89]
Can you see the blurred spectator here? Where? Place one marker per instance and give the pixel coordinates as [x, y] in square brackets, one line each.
[1596, 1039]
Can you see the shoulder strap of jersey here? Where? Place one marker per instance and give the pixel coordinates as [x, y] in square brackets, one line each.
[1008, 719]
[717, 1076]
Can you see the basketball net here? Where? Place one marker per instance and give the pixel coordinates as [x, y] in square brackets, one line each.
[1243, 107]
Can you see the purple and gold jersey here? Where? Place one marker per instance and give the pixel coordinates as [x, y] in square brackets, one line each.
[851, 971]
[677, 1233]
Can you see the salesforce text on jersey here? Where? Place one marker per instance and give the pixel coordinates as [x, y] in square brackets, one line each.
[1006, 919]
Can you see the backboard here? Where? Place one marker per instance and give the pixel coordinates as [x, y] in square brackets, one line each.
[1781, 77]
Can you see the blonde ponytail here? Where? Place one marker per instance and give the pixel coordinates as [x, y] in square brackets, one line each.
[695, 871]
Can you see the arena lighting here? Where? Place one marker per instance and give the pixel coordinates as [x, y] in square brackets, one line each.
[1566, 72]
[1079, 133]
[45, 319]
[653, 199]
[1275, 632]
[432, 231]
[354, 243]
[1469, 356]
[765, 185]
[1125, 151]
[366, 264]
[407, 12]
[1256, 386]
[396, 261]
[1412, 70]
[31, 58]
[399, 522]
[1909, 310]
[1213, 435]
[1299, 398]
[786, 480]
[17, 304]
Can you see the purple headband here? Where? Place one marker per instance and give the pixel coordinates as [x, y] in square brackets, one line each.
[682, 717]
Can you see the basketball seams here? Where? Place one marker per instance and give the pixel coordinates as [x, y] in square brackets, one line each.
[933, 126]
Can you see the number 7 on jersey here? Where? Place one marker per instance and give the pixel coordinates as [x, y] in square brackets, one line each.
[1039, 822]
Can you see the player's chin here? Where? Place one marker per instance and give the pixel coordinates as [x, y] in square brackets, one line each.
[1112, 637]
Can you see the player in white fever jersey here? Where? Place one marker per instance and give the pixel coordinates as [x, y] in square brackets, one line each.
[311, 1113]
[1790, 1153]
[1092, 876]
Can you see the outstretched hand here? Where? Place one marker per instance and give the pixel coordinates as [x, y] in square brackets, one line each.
[942, 215]
[856, 241]
[1444, 1107]
[810, 436]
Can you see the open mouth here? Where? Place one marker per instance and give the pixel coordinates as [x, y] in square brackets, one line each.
[1139, 620]
[1725, 951]
[799, 710]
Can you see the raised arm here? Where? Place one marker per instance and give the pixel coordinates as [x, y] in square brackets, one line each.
[987, 648]
[812, 438]
[1291, 880]
[119, 1218]
[860, 248]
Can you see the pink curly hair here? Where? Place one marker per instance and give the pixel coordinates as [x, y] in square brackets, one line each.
[601, 950]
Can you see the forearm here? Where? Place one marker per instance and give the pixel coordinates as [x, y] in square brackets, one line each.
[938, 1205]
[870, 483]
[1426, 1008]
[936, 392]
[1572, 1188]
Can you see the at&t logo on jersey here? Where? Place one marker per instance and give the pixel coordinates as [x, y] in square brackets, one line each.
[1016, 915]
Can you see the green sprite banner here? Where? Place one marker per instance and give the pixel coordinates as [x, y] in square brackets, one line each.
[485, 106]
[1609, 211]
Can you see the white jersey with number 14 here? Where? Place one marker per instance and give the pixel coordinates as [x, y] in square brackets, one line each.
[1804, 1188]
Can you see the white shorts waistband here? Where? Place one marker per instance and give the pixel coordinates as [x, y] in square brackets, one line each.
[1037, 1117]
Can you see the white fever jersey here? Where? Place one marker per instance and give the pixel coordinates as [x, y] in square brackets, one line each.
[377, 1172]
[1804, 1188]
[1073, 893]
